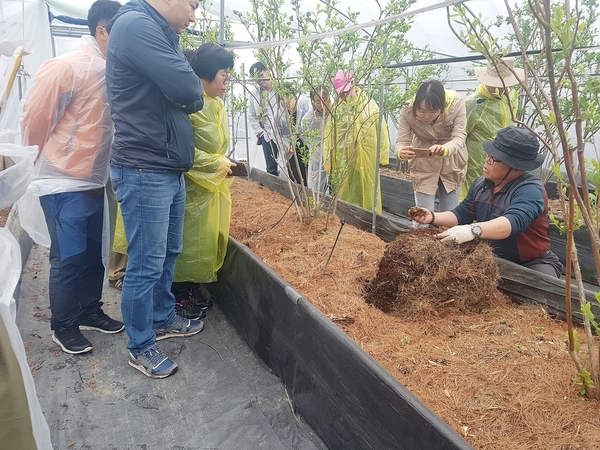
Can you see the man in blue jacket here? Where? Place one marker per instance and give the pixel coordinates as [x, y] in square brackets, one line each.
[507, 206]
[151, 91]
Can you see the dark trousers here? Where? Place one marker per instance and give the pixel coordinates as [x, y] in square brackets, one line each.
[298, 177]
[182, 289]
[271, 152]
[74, 222]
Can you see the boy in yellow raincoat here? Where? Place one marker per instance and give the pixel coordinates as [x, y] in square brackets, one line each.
[351, 144]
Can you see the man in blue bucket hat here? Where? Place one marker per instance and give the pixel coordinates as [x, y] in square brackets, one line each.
[507, 206]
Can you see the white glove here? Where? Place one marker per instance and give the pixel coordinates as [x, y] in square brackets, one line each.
[459, 233]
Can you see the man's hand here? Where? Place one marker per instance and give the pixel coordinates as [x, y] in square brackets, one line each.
[420, 215]
[459, 233]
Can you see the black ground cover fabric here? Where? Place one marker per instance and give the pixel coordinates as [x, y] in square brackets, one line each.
[348, 398]
[223, 396]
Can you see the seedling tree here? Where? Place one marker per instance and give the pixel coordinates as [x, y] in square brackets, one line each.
[364, 53]
[561, 108]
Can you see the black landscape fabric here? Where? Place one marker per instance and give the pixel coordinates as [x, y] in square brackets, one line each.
[341, 392]
[222, 397]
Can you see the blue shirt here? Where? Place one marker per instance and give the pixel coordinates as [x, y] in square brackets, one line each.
[524, 203]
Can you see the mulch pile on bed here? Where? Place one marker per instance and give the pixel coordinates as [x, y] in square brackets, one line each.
[420, 274]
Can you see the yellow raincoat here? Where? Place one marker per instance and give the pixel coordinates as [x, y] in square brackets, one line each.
[351, 143]
[486, 114]
[208, 201]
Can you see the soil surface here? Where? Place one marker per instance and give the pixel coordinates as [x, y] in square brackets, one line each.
[498, 373]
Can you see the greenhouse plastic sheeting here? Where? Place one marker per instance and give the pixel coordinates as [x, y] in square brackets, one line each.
[10, 271]
[348, 398]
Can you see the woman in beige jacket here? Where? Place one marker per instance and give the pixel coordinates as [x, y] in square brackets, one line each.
[435, 120]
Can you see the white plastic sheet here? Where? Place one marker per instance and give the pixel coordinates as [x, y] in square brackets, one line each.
[15, 178]
[10, 272]
[14, 183]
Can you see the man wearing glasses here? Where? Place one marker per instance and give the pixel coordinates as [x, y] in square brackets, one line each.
[507, 206]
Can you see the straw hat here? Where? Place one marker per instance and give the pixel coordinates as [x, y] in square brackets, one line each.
[490, 76]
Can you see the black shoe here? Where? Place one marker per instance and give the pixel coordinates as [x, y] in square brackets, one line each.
[71, 340]
[189, 310]
[117, 284]
[99, 321]
[200, 300]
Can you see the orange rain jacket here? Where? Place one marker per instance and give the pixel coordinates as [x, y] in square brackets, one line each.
[67, 116]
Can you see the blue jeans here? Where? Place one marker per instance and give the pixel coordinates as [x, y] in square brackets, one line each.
[152, 205]
[74, 222]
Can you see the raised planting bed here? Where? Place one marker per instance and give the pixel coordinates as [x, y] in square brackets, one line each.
[518, 283]
[500, 376]
[344, 395]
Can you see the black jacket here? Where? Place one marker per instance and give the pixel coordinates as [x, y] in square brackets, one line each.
[151, 90]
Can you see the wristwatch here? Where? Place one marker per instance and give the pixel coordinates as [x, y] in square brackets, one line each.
[476, 230]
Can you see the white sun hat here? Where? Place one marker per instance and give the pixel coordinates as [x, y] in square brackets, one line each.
[494, 75]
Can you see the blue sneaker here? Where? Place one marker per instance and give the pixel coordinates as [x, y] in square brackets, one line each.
[153, 363]
[180, 327]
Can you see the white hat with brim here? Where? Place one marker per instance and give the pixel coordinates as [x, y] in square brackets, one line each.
[495, 75]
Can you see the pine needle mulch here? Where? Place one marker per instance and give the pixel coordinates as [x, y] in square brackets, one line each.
[496, 372]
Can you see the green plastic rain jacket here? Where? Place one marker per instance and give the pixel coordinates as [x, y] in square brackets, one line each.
[208, 202]
[486, 114]
[351, 143]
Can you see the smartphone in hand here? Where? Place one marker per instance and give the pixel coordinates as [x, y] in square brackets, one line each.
[422, 153]
[239, 170]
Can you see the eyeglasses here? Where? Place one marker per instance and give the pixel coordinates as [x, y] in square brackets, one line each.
[424, 112]
[491, 160]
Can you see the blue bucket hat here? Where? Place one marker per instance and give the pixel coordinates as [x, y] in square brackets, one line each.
[516, 147]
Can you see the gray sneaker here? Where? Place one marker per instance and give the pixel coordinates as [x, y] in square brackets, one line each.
[180, 327]
[153, 363]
